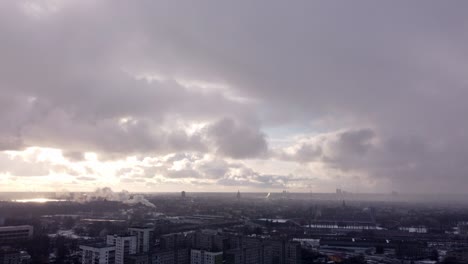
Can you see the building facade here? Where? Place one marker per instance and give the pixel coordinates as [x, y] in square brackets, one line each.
[125, 245]
[98, 254]
[144, 238]
[14, 234]
[205, 257]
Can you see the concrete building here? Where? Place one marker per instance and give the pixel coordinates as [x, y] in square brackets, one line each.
[144, 238]
[14, 234]
[171, 256]
[285, 252]
[176, 240]
[98, 254]
[125, 245]
[138, 259]
[163, 257]
[209, 240]
[248, 250]
[205, 257]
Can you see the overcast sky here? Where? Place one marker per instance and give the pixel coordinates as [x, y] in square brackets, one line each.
[367, 96]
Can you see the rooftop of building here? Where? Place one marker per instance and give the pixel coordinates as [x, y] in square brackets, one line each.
[142, 227]
[99, 245]
[124, 234]
[15, 227]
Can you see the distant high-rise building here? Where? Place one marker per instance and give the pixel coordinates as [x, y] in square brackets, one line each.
[125, 245]
[144, 238]
[98, 254]
[238, 195]
[183, 194]
[205, 257]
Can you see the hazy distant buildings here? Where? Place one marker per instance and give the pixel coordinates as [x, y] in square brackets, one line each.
[144, 238]
[182, 194]
[98, 254]
[15, 234]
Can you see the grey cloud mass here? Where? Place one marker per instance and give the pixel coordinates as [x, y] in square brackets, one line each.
[377, 89]
[237, 141]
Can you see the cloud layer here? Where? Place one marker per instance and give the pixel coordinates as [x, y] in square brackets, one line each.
[274, 95]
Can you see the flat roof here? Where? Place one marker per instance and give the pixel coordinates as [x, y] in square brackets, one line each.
[98, 245]
[141, 227]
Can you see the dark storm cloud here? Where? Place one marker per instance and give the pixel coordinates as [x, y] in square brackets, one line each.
[402, 161]
[67, 78]
[331, 147]
[237, 140]
[68, 87]
[200, 169]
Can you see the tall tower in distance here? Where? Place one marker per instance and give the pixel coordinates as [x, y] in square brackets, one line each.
[238, 195]
[182, 194]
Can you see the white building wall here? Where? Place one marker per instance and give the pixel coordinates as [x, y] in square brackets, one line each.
[124, 245]
[94, 255]
[143, 237]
